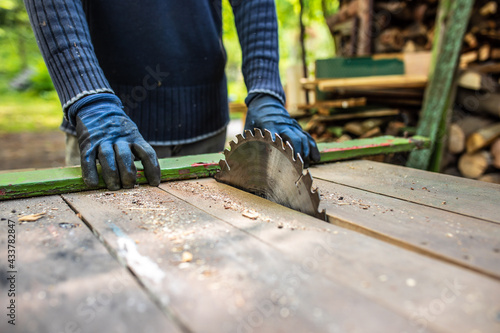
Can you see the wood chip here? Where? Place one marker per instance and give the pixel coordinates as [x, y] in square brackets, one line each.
[250, 214]
[31, 218]
[187, 256]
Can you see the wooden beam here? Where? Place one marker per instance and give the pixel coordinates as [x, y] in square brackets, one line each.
[69, 179]
[339, 103]
[374, 82]
[450, 24]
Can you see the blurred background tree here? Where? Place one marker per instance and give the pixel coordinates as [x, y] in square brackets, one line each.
[28, 101]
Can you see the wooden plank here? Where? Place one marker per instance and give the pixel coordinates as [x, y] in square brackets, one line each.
[373, 82]
[215, 277]
[373, 146]
[403, 281]
[67, 180]
[65, 280]
[445, 192]
[339, 103]
[356, 114]
[465, 241]
[451, 23]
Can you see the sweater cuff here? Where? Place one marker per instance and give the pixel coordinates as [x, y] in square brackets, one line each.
[263, 77]
[75, 75]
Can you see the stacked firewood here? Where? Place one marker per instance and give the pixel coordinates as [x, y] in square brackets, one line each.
[474, 134]
[393, 26]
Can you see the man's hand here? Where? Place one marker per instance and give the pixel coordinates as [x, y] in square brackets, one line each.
[267, 112]
[106, 133]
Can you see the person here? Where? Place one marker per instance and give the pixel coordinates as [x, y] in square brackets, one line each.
[141, 79]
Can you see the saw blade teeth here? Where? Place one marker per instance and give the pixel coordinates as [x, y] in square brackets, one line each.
[299, 163]
[227, 152]
[223, 166]
[258, 133]
[308, 181]
[315, 199]
[279, 141]
[289, 151]
[268, 136]
[248, 134]
[232, 145]
[322, 215]
[240, 138]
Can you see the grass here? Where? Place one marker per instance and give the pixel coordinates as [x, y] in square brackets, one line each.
[26, 112]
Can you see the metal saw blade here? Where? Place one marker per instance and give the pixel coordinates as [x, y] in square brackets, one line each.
[267, 168]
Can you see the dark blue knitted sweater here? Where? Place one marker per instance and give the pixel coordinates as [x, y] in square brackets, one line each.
[163, 58]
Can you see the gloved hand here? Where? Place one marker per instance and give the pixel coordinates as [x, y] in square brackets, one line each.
[267, 112]
[105, 132]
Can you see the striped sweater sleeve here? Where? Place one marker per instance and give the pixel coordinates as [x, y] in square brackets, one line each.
[63, 37]
[257, 27]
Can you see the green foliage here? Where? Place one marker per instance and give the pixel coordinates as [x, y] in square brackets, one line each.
[28, 112]
[319, 44]
[41, 81]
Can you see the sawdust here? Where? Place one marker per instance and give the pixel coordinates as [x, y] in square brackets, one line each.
[220, 198]
[31, 217]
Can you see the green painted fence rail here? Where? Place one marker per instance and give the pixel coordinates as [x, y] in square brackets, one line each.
[24, 184]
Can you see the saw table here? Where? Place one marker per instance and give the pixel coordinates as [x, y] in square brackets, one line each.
[406, 251]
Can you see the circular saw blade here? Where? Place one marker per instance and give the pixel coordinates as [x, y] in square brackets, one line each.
[266, 167]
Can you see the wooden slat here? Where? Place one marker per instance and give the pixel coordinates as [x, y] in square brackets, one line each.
[451, 22]
[468, 242]
[363, 147]
[233, 282]
[67, 180]
[404, 281]
[454, 194]
[66, 281]
[373, 82]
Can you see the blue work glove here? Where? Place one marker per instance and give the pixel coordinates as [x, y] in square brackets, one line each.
[105, 132]
[267, 112]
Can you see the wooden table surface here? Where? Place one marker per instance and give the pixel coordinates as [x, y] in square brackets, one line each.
[406, 251]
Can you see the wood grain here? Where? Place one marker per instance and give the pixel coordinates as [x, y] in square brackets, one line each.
[448, 193]
[465, 241]
[403, 281]
[66, 280]
[217, 278]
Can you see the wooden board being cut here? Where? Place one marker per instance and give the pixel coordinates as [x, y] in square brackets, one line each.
[401, 280]
[66, 281]
[448, 193]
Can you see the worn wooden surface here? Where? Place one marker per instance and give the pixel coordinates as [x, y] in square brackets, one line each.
[194, 261]
[444, 192]
[376, 269]
[231, 273]
[65, 279]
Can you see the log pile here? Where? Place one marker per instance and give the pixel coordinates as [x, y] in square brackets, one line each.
[473, 145]
[391, 26]
[364, 107]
